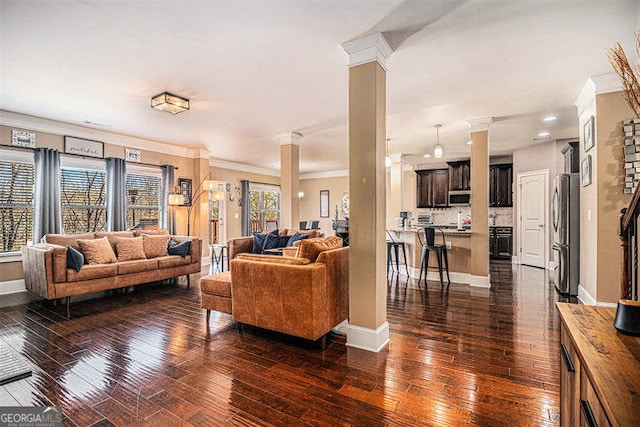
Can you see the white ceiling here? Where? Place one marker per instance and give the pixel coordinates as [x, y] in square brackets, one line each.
[256, 69]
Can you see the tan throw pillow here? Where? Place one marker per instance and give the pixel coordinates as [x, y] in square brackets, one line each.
[129, 248]
[97, 251]
[162, 231]
[311, 248]
[155, 246]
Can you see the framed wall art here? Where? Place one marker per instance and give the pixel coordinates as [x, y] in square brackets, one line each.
[324, 203]
[586, 171]
[83, 147]
[589, 138]
[185, 185]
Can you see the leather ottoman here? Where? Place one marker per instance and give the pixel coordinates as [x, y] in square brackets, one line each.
[216, 293]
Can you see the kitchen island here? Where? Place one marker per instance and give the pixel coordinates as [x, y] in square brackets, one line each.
[459, 255]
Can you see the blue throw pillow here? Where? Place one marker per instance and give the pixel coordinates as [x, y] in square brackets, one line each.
[295, 237]
[181, 249]
[258, 241]
[75, 259]
[275, 242]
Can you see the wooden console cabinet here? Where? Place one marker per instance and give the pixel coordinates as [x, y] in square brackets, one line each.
[599, 369]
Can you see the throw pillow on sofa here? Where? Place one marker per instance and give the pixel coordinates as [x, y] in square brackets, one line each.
[258, 241]
[295, 237]
[97, 251]
[155, 246]
[275, 242]
[181, 249]
[128, 249]
[75, 259]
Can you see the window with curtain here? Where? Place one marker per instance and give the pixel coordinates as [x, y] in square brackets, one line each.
[16, 199]
[83, 195]
[144, 194]
[264, 207]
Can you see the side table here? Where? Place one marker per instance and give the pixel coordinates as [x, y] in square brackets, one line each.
[217, 258]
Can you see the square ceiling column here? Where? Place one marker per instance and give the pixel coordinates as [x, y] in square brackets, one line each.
[290, 179]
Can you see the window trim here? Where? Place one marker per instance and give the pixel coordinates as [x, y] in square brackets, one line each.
[21, 156]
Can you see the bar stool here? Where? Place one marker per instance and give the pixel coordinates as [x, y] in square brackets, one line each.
[440, 250]
[395, 246]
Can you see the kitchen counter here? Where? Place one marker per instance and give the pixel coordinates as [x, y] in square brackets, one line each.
[459, 254]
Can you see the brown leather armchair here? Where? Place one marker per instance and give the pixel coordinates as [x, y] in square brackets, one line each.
[294, 296]
[242, 245]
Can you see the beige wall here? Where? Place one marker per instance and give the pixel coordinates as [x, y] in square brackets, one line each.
[611, 110]
[543, 156]
[310, 203]
[233, 177]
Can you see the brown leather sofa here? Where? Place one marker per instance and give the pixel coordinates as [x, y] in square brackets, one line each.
[240, 245]
[304, 296]
[47, 275]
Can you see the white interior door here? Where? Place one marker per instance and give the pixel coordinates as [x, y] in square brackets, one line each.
[533, 208]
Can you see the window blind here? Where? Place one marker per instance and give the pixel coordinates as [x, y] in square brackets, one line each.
[143, 200]
[83, 196]
[16, 204]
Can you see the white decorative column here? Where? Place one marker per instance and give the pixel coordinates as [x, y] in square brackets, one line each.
[290, 179]
[480, 202]
[368, 328]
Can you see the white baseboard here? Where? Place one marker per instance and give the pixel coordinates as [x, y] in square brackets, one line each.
[480, 281]
[433, 275]
[587, 299]
[12, 286]
[368, 339]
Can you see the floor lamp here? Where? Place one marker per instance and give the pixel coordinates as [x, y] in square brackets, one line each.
[204, 187]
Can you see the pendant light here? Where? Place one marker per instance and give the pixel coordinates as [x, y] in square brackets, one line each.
[437, 151]
[387, 160]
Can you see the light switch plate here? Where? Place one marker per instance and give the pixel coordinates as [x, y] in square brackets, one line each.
[236, 215]
[448, 245]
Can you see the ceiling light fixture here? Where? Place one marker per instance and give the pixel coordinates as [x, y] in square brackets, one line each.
[387, 160]
[427, 156]
[549, 118]
[170, 103]
[543, 134]
[438, 151]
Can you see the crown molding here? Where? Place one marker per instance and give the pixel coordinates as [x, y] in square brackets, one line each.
[290, 138]
[479, 125]
[328, 174]
[39, 124]
[596, 85]
[396, 157]
[224, 164]
[368, 49]
[201, 153]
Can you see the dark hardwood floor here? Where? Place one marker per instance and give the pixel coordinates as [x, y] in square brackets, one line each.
[457, 356]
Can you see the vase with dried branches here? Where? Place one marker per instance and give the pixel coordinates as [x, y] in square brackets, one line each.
[628, 75]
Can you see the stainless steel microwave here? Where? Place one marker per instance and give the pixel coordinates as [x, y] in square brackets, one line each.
[460, 198]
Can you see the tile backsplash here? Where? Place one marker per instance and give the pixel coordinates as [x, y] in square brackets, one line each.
[445, 216]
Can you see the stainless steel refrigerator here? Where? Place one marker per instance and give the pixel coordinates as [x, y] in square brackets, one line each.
[565, 213]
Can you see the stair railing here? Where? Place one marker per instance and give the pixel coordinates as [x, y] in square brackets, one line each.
[629, 239]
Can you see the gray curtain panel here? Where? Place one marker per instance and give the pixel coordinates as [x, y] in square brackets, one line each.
[116, 194]
[246, 219]
[47, 209]
[167, 213]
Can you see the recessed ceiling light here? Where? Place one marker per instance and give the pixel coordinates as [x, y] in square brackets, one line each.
[427, 155]
[543, 134]
[469, 142]
[549, 118]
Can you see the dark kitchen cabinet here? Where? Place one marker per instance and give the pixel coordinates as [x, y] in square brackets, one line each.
[500, 242]
[500, 185]
[432, 188]
[459, 175]
[571, 153]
